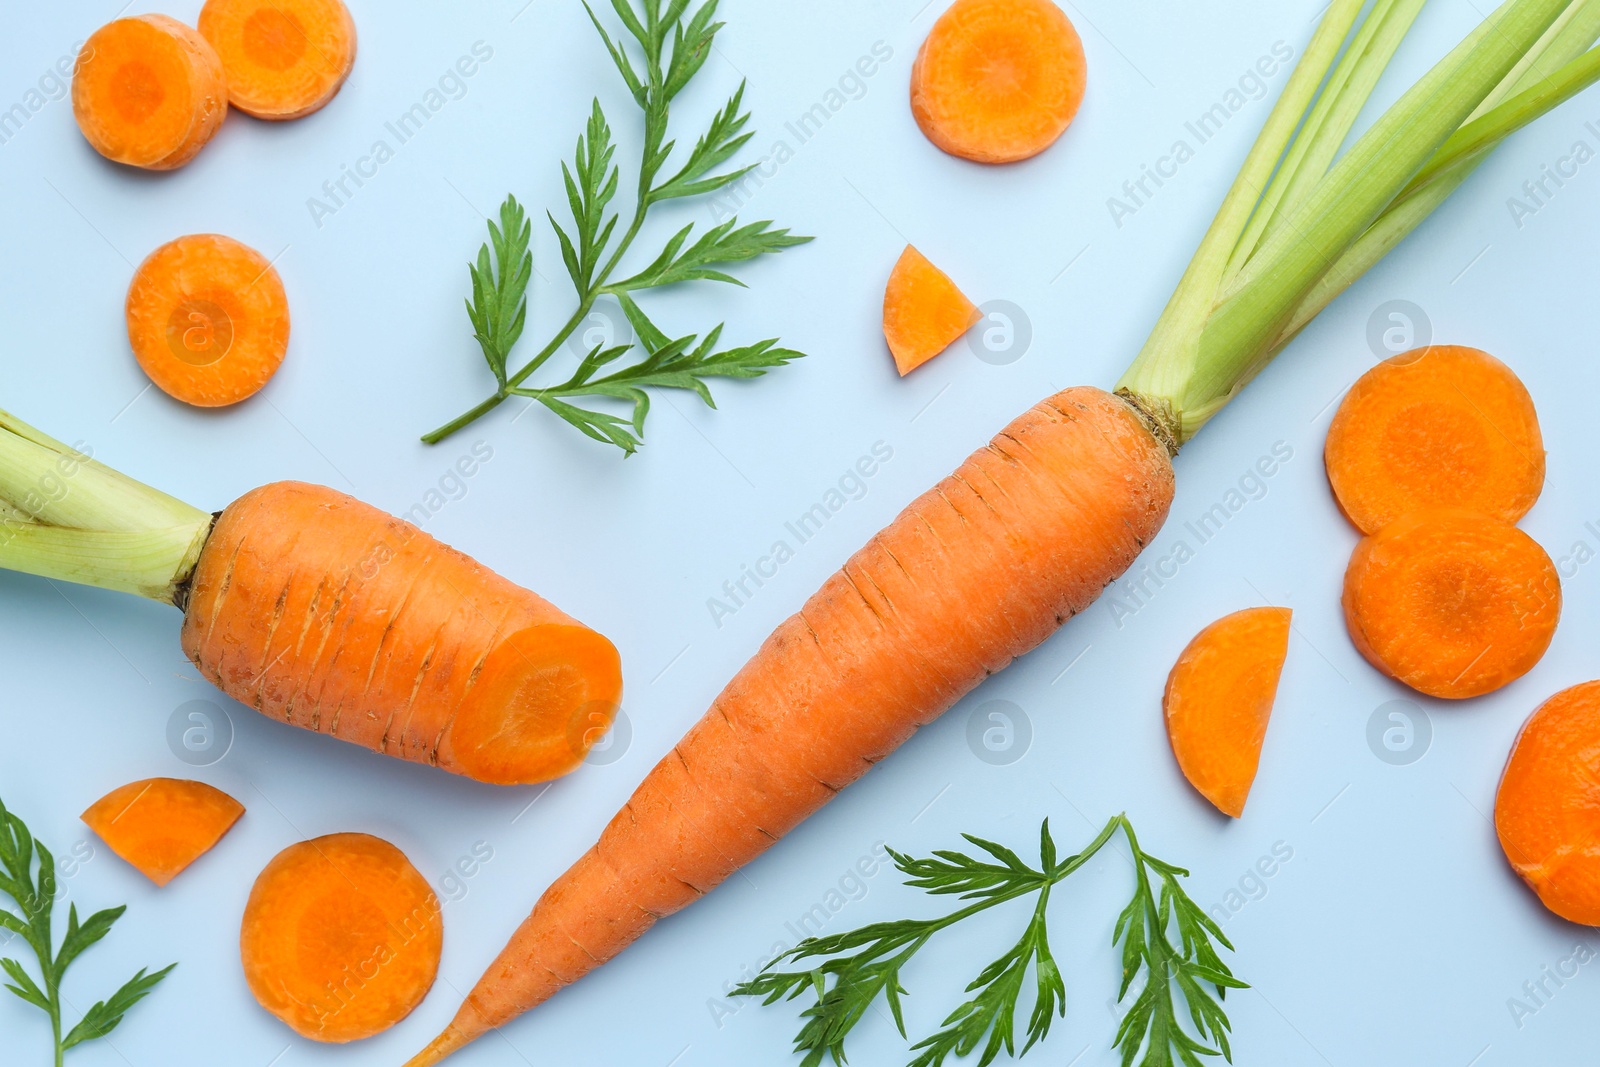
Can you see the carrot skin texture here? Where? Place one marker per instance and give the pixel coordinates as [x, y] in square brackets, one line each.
[326, 613]
[974, 573]
[162, 825]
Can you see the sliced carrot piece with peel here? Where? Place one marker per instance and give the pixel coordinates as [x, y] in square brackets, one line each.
[1437, 427]
[162, 825]
[284, 58]
[1219, 699]
[1452, 603]
[1547, 811]
[923, 311]
[341, 937]
[208, 319]
[998, 80]
[148, 91]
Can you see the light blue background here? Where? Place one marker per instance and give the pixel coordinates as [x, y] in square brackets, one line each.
[1395, 934]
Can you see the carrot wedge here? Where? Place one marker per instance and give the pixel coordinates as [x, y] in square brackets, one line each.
[1219, 698]
[1547, 811]
[284, 58]
[923, 311]
[162, 825]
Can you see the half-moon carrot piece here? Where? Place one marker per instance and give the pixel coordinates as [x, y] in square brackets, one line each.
[162, 825]
[284, 58]
[1219, 699]
[1547, 811]
[208, 319]
[998, 80]
[1435, 427]
[341, 937]
[148, 91]
[1453, 603]
[923, 311]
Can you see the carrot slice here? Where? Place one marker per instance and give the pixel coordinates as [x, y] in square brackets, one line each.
[1219, 699]
[1440, 426]
[923, 311]
[1547, 811]
[162, 825]
[998, 80]
[1452, 603]
[341, 937]
[208, 319]
[148, 91]
[284, 58]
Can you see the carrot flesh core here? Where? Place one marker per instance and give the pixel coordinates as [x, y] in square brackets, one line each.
[1219, 699]
[974, 573]
[149, 92]
[162, 825]
[341, 937]
[998, 81]
[285, 58]
[208, 319]
[1436, 427]
[1547, 811]
[326, 613]
[1452, 603]
[923, 311]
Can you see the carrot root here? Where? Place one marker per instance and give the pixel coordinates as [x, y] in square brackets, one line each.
[285, 58]
[923, 311]
[162, 825]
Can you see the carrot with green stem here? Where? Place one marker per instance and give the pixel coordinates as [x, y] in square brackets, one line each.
[992, 560]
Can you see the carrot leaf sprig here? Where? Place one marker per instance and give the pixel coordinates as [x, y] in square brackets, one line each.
[35, 895]
[664, 45]
[853, 969]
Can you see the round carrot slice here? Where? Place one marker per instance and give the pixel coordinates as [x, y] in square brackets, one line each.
[341, 937]
[1547, 812]
[285, 58]
[998, 80]
[1452, 603]
[208, 319]
[1440, 426]
[148, 91]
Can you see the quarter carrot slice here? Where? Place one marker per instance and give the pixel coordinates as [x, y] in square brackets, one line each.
[1440, 426]
[1219, 699]
[1547, 811]
[162, 825]
[208, 319]
[998, 80]
[1452, 603]
[923, 311]
[284, 58]
[341, 937]
[148, 91]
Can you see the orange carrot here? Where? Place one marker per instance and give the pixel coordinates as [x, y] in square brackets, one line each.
[1547, 811]
[998, 80]
[326, 613]
[208, 319]
[341, 937]
[1452, 603]
[1440, 426]
[148, 91]
[284, 58]
[973, 574]
[1219, 698]
[162, 825]
[923, 311]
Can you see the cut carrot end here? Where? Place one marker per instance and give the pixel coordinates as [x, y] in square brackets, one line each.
[1437, 427]
[341, 937]
[923, 311]
[149, 92]
[285, 58]
[1219, 699]
[1452, 603]
[998, 80]
[208, 319]
[1547, 811]
[162, 825]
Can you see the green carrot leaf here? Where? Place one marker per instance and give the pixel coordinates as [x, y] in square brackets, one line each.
[105, 1015]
